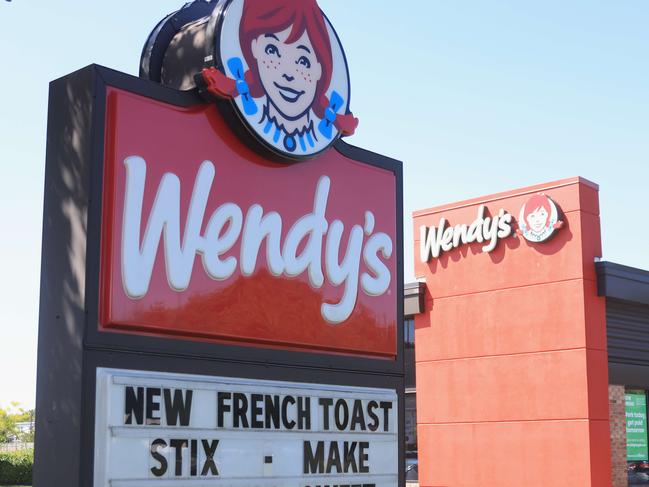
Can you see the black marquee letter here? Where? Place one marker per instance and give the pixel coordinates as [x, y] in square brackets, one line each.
[325, 403]
[358, 416]
[334, 458]
[341, 405]
[134, 405]
[313, 463]
[349, 454]
[152, 407]
[371, 406]
[162, 469]
[271, 411]
[289, 425]
[178, 445]
[240, 411]
[386, 406]
[193, 459]
[304, 413]
[257, 411]
[222, 407]
[363, 456]
[209, 467]
[178, 408]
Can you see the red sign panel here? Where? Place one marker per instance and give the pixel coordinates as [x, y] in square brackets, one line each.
[205, 239]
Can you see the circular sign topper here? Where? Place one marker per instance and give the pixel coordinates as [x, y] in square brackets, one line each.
[282, 65]
[539, 219]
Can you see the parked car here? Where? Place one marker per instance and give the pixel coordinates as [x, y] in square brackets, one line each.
[412, 468]
[638, 473]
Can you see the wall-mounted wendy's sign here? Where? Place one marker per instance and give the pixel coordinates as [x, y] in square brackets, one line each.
[484, 230]
[538, 221]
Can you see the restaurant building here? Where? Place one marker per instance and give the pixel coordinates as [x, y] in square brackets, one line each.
[527, 355]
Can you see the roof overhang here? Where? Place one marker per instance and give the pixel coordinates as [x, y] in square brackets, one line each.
[622, 282]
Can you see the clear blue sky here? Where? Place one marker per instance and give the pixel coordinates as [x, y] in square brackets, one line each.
[475, 97]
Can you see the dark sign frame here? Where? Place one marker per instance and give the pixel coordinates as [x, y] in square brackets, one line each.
[70, 345]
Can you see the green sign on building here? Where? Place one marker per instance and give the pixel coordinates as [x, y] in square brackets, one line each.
[636, 426]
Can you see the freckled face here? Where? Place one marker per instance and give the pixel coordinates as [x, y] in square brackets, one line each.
[538, 219]
[289, 72]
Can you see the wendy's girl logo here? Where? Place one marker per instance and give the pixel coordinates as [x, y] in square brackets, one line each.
[282, 65]
[539, 219]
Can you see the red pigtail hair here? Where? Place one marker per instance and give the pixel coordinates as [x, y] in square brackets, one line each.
[346, 123]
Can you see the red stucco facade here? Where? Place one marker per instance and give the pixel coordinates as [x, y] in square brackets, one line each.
[511, 363]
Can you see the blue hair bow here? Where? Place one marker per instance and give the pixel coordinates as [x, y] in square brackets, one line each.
[236, 68]
[331, 112]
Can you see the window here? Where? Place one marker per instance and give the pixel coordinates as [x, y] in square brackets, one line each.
[412, 464]
[409, 333]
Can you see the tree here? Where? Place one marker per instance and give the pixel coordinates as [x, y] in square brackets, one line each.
[9, 419]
